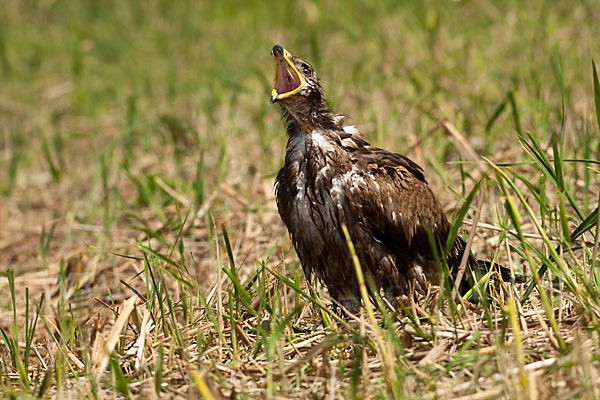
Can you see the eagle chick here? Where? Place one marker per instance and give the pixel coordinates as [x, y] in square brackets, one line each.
[333, 177]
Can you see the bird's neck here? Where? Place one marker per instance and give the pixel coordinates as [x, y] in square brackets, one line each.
[311, 117]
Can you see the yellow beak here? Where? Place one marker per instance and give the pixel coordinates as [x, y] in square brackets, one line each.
[287, 78]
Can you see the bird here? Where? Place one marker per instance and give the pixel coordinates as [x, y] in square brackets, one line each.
[332, 177]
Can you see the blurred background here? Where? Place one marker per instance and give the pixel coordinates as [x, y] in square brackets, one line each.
[86, 81]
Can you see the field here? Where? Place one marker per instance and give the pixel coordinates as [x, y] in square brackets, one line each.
[141, 252]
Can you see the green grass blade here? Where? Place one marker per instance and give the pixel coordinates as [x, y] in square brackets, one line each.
[588, 223]
[121, 383]
[596, 93]
[495, 114]
[515, 111]
[45, 384]
[240, 290]
[462, 212]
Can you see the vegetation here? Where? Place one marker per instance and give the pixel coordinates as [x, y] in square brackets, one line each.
[141, 248]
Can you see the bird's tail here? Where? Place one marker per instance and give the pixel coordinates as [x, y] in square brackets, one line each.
[505, 273]
[476, 267]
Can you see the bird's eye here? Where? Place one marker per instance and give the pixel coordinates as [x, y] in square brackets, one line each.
[306, 69]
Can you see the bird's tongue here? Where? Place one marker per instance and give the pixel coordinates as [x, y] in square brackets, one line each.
[286, 78]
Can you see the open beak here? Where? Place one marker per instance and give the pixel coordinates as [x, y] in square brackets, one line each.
[287, 78]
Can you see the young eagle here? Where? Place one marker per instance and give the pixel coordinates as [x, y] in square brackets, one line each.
[333, 177]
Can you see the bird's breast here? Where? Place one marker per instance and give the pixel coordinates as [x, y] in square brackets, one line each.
[315, 174]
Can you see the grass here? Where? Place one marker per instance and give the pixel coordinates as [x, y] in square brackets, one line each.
[141, 248]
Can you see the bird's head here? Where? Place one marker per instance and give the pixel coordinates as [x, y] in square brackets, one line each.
[297, 90]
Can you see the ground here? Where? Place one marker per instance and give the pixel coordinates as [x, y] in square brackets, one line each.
[140, 247]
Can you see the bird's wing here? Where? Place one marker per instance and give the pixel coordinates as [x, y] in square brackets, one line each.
[390, 193]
